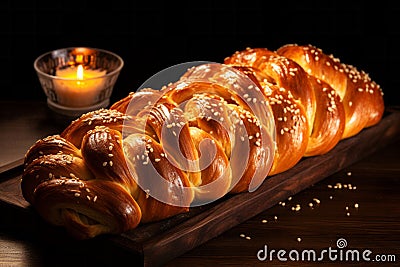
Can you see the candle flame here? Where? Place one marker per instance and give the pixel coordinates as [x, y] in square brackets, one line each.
[79, 72]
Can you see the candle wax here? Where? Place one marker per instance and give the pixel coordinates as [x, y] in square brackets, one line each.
[82, 89]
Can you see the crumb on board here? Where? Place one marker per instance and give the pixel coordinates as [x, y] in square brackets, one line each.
[317, 200]
[297, 207]
[339, 185]
[245, 236]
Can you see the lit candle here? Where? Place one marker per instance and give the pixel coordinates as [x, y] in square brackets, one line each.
[78, 87]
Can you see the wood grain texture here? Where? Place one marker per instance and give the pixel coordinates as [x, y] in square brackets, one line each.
[158, 243]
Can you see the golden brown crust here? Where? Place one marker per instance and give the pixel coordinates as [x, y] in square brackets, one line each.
[217, 172]
[103, 117]
[291, 129]
[279, 71]
[226, 115]
[158, 178]
[102, 151]
[154, 154]
[49, 167]
[53, 144]
[87, 208]
[338, 100]
[361, 97]
[134, 103]
[329, 121]
[291, 121]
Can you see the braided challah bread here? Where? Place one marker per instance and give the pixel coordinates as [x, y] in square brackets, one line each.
[222, 128]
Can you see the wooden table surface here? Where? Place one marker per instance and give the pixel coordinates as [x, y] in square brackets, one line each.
[354, 212]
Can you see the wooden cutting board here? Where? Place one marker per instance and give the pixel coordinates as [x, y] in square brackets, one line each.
[162, 241]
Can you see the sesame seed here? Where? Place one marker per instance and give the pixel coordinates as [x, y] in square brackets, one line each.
[77, 195]
[298, 239]
[356, 205]
[297, 207]
[338, 186]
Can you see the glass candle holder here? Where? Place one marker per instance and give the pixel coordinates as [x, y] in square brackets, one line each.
[77, 80]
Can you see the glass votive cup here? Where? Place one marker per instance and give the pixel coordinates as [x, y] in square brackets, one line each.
[77, 80]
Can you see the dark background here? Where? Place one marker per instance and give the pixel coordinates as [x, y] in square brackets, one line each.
[151, 36]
